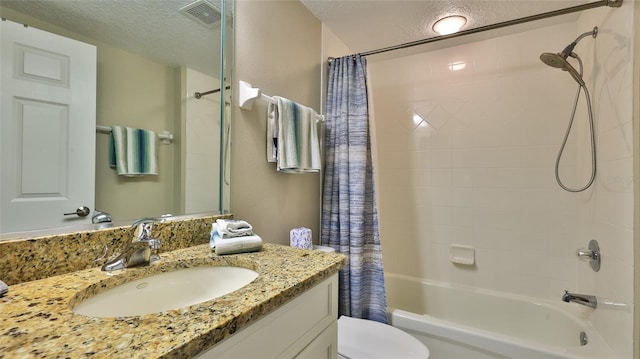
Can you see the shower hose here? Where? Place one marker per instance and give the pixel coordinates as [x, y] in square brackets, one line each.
[566, 136]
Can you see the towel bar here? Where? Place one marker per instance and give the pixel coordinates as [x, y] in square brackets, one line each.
[248, 94]
[198, 95]
[164, 136]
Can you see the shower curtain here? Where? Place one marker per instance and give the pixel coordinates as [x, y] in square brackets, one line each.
[349, 212]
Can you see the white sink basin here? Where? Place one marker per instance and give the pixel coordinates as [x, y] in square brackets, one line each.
[166, 291]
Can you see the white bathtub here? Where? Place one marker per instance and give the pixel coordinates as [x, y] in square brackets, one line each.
[456, 322]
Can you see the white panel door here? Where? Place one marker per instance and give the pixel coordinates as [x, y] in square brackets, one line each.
[47, 132]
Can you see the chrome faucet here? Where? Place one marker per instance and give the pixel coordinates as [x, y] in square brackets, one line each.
[588, 300]
[100, 217]
[140, 251]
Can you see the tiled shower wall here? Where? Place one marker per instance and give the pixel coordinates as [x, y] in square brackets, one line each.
[202, 169]
[466, 140]
[478, 169]
[607, 215]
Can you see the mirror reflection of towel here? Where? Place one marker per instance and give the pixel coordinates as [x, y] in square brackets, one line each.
[132, 151]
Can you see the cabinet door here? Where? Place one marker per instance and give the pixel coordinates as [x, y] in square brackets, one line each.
[288, 330]
[325, 346]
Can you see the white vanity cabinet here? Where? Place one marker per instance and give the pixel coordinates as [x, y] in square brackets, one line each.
[305, 327]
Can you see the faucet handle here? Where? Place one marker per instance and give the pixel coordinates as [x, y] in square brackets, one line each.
[143, 232]
[585, 254]
[144, 220]
[154, 244]
[591, 255]
[100, 217]
[143, 228]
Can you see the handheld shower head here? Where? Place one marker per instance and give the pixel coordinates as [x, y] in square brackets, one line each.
[560, 62]
[554, 60]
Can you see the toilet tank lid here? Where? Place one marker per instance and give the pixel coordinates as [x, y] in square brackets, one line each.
[360, 338]
[324, 249]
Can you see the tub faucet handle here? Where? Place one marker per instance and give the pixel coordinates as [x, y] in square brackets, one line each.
[591, 255]
[586, 254]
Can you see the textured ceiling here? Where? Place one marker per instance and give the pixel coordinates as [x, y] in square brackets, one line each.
[365, 25]
[151, 28]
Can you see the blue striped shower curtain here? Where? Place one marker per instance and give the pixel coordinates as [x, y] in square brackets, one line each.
[349, 212]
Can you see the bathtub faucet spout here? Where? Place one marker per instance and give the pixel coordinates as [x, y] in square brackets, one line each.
[588, 300]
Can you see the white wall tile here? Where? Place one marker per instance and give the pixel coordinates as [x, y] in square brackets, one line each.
[509, 56]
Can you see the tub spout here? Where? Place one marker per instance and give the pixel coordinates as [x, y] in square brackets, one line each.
[588, 300]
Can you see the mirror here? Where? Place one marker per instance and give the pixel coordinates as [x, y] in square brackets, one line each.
[151, 60]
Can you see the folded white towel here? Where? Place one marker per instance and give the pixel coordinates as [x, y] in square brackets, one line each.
[238, 245]
[229, 228]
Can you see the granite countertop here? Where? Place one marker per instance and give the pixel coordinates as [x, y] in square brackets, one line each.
[36, 319]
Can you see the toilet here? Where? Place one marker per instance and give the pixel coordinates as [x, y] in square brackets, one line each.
[324, 249]
[368, 339]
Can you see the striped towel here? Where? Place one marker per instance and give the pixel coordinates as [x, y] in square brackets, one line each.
[133, 151]
[272, 133]
[298, 147]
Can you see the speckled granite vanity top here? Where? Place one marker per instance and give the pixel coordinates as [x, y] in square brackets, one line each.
[36, 319]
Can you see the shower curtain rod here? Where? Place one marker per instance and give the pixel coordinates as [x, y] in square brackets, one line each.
[197, 95]
[522, 20]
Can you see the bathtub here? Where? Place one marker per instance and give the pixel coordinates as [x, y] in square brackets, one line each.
[457, 322]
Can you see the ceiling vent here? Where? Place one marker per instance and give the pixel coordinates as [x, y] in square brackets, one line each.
[202, 12]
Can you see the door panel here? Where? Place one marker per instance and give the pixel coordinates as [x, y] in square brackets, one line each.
[42, 149]
[46, 67]
[47, 133]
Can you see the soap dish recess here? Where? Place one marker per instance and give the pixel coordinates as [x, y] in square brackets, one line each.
[460, 254]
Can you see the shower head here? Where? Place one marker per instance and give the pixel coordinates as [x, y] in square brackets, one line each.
[554, 60]
[559, 60]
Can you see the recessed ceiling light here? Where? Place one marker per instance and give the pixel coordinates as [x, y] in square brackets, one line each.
[449, 25]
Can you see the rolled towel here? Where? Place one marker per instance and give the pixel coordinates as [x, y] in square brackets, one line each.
[235, 245]
[214, 235]
[229, 228]
[3, 288]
